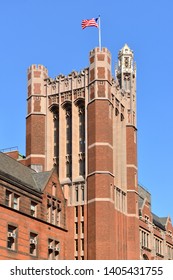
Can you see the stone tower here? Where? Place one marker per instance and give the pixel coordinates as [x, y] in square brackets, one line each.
[84, 124]
[36, 118]
[100, 178]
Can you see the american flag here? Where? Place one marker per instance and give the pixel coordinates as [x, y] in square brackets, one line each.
[89, 22]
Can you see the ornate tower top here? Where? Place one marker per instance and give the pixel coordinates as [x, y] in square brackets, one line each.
[125, 60]
[126, 69]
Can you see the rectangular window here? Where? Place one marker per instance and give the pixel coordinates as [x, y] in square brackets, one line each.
[76, 211]
[53, 249]
[12, 237]
[82, 227]
[77, 194]
[33, 243]
[8, 198]
[50, 249]
[33, 209]
[16, 202]
[169, 251]
[76, 245]
[82, 244]
[83, 193]
[54, 189]
[76, 228]
[56, 250]
[12, 200]
[82, 167]
[118, 198]
[144, 239]
[53, 216]
[49, 213]
[158, 245]
[53, 211]
[82, 210]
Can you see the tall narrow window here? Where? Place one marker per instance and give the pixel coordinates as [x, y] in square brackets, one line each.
[53, 211]
[82, 166]
[54, 189]
[82, 244]
[16, 202]
[8, 198]
[82, 141]
[76, 228]
[82, 193]
[12, 237]
[82, 227]
[77, 193]
[56, 250]
[56, 138]
[33, 244]
[68, 143]
[50, 249]
[12, 200]
[76, 211]
[76, 245]
[33, 209]
[82, 210]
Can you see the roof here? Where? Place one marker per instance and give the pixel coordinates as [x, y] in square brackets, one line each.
[41, 179]
[159, 222]
[144, 194]
[17, 172]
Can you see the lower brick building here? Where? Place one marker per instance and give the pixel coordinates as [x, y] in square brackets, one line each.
[76, 194]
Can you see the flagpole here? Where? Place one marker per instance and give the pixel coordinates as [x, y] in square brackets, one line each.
[99, 33]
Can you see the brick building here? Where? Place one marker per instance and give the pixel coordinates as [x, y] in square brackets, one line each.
[81, 170]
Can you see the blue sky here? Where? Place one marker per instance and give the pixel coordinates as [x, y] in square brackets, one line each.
[49, 33]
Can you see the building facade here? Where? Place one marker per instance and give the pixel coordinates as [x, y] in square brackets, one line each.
[83, 125]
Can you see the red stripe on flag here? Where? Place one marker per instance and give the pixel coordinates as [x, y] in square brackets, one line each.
[89, 22]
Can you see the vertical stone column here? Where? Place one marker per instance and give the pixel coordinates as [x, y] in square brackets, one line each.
[100, 215]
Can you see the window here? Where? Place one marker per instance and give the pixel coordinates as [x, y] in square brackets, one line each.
[144, 239]
[8, 196]
[56, 134]
[33, 209]
[53, 211]
[33, 243]
[82, 210]
[82, 141]
[118, 198]
[57, 250]
[82, 244]
[53, 249]
[54, 189]
[12, 200]
[76, 228]
[77, 193]
[147, 219]
[82, 166]
[82, 130]
[16, 202]
[76, 211]
[83, 193]
[76, 245]
[123, 202]
[158, 244]
[169, 251]
[12, 237]
[68, 142]
[82, 227]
